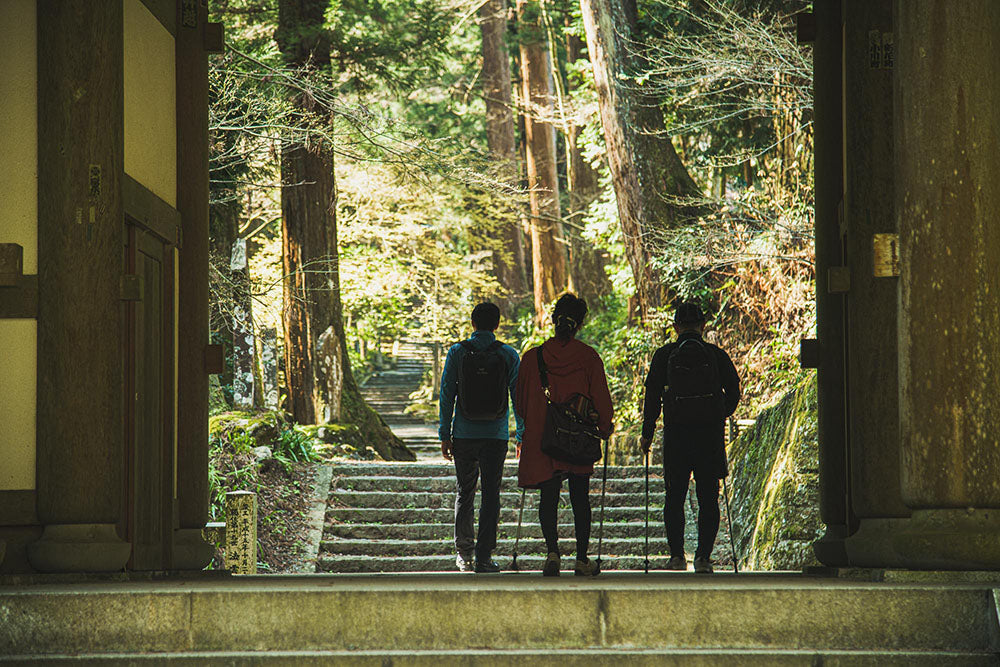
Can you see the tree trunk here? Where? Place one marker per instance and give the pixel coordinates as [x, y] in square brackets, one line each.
[306, 210]
[645, 169]
[548, 246]
[314, 328]
[588, 277]
[223, 229]
[509, 263]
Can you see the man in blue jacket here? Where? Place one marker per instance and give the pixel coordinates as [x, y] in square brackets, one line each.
[480, 374]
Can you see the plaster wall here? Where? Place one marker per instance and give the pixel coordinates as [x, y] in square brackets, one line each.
[17, 404]
[18, 224]
[150, 102]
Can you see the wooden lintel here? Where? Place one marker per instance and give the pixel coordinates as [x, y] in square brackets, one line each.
[805, 27]
[151, 212]
[11, 264]
[214, 38]
[21, 301]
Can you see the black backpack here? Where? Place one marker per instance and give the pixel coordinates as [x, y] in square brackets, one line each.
[482, 383]
[693, 393]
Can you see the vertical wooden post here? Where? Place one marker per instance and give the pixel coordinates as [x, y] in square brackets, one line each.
[872, 302]
[833, 480]
[190, 550]
[80, 445]
[947, 120]
[241, 532]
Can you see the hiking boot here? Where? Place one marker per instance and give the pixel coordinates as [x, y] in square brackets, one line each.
[586, 568]
[464, 562]
[551, 568]
[677, 563]
[487, 566]
[703, 566]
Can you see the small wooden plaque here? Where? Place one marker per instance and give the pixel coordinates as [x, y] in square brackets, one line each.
[11, 264]
[885, 253]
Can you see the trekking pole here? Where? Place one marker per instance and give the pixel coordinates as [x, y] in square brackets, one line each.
[517, 538]
[604, 486]
[729, 517]
[645, 553]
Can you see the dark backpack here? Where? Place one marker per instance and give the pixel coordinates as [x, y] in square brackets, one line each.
[693, 393]
[482, 383]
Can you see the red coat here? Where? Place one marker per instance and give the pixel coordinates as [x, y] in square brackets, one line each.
[573, 368]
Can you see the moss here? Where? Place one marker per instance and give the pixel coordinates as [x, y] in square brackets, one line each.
[775, 484]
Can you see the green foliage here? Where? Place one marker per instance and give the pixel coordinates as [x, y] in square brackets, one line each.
[294, 445]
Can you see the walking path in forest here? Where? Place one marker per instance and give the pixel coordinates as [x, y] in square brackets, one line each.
[399, 517]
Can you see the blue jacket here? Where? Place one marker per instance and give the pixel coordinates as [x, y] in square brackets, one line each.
[462, 427]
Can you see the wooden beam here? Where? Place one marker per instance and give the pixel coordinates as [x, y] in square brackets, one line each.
[151, 212]
[11, 264]
[21, 301]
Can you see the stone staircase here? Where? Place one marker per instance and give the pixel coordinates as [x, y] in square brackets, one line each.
[388, 393]
[399, 517]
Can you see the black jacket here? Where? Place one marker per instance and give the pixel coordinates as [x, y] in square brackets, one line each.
[686, 445]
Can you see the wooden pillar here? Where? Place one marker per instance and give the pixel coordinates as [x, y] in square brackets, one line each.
[190, 550]
[872, 300]
[833, 479]
[947, 113]
[80, 448]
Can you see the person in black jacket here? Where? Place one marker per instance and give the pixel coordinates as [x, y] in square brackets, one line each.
[705, 391]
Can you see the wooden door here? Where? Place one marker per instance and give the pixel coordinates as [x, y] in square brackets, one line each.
[149, 367]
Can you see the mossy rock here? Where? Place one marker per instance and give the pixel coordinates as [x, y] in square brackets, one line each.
[775, 484]
[263, 427]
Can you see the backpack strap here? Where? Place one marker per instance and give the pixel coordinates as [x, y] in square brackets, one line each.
[543, 372]
[467, 344]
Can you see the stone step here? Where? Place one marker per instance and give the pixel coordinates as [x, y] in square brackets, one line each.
[405, 469]
[446, 563]
[530, 529]
[534, 546]
[451, 612]
[357, 515]
[418, 500]
[536, 658]
[446, 484]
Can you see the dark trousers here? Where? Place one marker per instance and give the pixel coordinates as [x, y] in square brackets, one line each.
[676, 479]
[548, 512]
[475, 458]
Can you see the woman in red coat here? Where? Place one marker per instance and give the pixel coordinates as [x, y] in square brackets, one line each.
[573, 368]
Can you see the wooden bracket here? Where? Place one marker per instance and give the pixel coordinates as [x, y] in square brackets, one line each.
[838, 279]
[809, 353]
[805, 27]
[214, 38]
[214, 359]
[11, 264]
